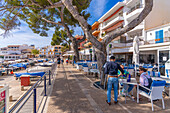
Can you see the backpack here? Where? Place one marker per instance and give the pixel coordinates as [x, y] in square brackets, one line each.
[149, 80]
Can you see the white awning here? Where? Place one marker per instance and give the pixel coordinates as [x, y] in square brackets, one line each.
[68, 54]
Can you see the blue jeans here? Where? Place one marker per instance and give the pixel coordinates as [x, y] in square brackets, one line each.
[130, 87]
[112, 81]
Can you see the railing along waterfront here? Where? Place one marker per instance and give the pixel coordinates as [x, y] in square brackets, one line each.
[29, 101]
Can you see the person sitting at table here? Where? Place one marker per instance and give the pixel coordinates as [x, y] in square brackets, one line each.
[145, 80]
[127, 75]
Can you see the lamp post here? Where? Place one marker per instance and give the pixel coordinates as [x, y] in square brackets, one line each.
[84, 54]
[90, 50]
[93, 54]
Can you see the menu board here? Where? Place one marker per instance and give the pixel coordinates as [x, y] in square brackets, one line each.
[2, 102]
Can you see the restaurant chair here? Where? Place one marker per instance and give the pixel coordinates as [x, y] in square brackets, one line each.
[155, 92]
[167, 73]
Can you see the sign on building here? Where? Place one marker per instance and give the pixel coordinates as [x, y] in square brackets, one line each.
[4, 99]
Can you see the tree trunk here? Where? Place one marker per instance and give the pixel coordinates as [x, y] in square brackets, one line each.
[69, 46]
[75, 48]
[101, 60]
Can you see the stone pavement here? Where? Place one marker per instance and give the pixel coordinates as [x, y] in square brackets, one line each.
[73, 92]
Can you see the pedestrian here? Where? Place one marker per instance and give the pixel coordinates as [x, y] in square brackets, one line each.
[67, 61]
[112, 69]
[58, 61]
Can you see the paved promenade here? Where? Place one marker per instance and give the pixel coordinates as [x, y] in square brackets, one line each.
[73, 92]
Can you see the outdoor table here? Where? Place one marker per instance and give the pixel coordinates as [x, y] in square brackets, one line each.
[163, 78]
[132, 82]
[94, 70]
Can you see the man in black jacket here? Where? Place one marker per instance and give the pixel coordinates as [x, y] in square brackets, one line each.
[112, 69]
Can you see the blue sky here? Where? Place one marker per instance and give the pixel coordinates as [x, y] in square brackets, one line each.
[24, 34]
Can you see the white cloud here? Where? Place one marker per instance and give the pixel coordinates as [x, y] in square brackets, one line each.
[24, 35]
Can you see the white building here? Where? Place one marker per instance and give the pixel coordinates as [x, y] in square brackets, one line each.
[153, 31]
[47, 51]
[13, 52]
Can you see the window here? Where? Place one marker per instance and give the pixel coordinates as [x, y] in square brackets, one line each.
[56, 47]
[159, 36]
[1, 56]
[59, 47]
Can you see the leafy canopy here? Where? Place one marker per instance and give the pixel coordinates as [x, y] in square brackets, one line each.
[35, 51]
[60, 37]
[33, 12]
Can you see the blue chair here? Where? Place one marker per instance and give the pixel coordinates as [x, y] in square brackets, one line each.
[155, 92]
[159, 74]
[153, 73]
[167, 73]
[149, 73]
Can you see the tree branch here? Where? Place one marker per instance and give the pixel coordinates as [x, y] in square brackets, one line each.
[35, 3]
[83, 23]
[51, 3]
[49, 21]
[81, 40]
[61, 13]
[68, 31]
[132, 24]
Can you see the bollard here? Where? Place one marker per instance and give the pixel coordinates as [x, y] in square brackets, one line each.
[45, 94]
[22, 88]
[34, 104]
[10, 98]
[49, 77]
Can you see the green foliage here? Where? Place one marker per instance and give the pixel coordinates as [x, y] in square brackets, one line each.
[35, 51]
[33, 14]
[60, 38]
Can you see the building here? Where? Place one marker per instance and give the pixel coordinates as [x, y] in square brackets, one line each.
[32, 46]
[153, 31]
[13, 52]
[57, 50]
[47, 51]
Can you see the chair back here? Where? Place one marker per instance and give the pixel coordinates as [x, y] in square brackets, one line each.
[94, 66]
[149, 73]
[167, 73]
[154, 74]
[156, 89]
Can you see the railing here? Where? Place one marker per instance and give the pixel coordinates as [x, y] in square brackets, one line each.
[29, 99]
[134, 8]
[148, 42]
[113, 19]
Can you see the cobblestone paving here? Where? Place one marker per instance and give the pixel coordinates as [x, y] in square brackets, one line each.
[73, 92]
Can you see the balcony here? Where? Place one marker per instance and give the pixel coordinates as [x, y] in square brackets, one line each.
[112, 22]
[96, 32]
[138, 28]
[95, 25]
[134, 12]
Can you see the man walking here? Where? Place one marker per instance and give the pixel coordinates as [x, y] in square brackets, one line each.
[112, 69]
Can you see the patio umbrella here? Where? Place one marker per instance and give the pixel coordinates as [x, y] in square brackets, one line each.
[136, 52]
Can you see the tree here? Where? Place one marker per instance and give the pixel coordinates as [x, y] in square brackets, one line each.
[41, 15]
[101, 46]
[35, 51]
[60, 37]
[75, 7]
